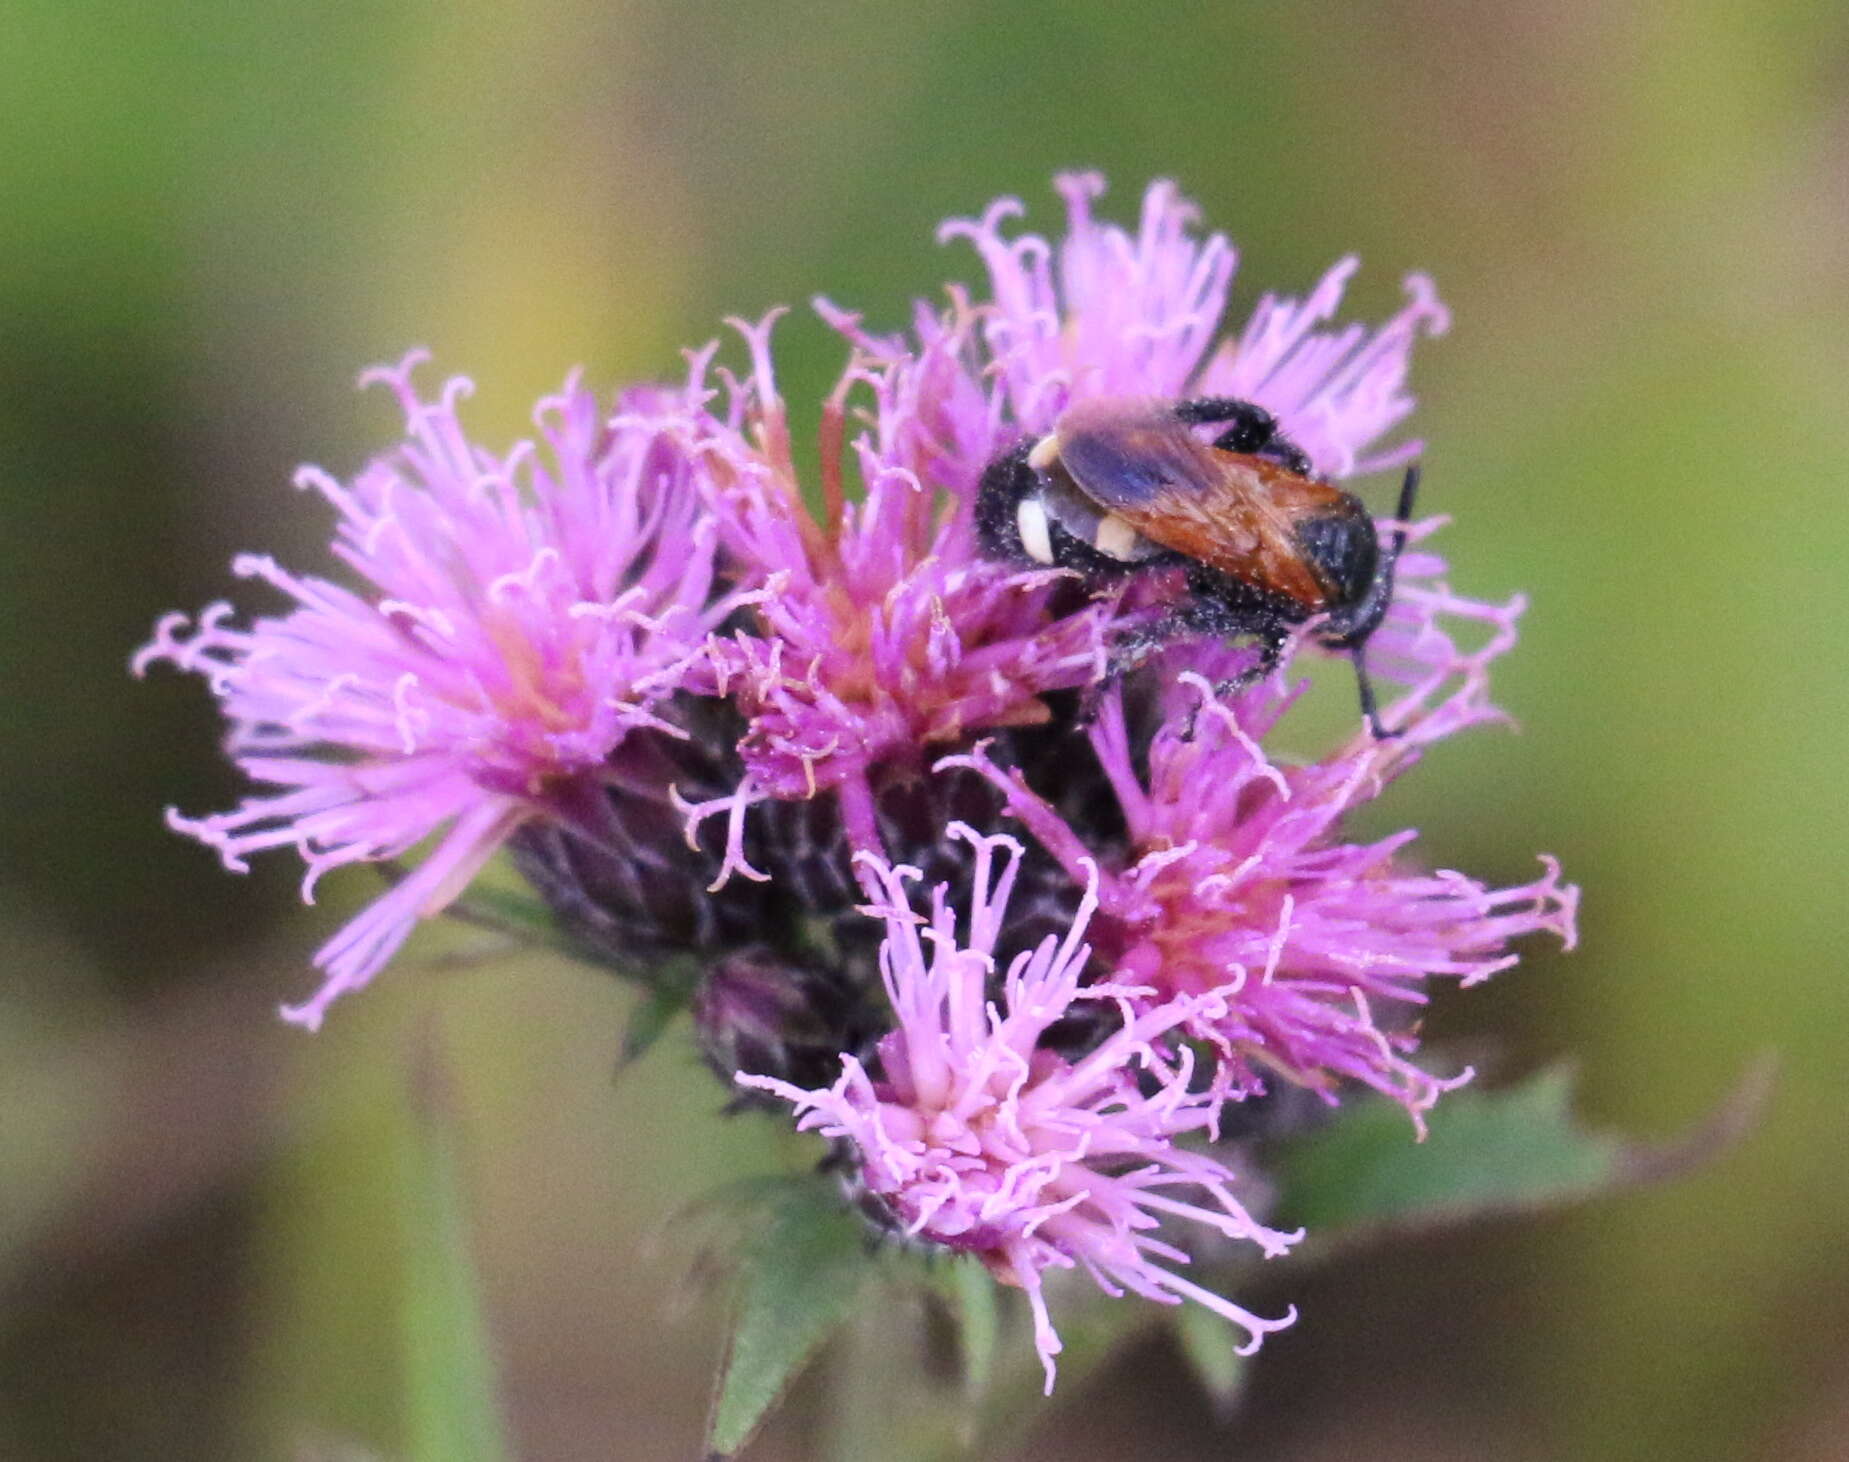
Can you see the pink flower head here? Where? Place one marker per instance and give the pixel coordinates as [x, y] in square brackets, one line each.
[1235, 877]
[1108, 312]
[520, 615]
[974, 1136]
[880, 633]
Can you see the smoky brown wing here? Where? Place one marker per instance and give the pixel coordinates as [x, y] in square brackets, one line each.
[1125, 455]
[1241, 522]
[1234, 512]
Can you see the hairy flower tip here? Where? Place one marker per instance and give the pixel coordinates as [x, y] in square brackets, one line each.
[1233, 877]
[876, 630]
[1107, 311]
[971, 1134]
[517, 617]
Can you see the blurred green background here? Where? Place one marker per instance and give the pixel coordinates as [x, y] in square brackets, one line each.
[215, 213]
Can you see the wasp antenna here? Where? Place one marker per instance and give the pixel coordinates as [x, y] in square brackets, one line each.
[1370, 708]
[1409, 490]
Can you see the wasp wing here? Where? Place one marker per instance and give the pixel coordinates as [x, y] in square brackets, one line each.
[1232, 512]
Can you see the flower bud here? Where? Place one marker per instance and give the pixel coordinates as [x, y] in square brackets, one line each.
[760, 1014]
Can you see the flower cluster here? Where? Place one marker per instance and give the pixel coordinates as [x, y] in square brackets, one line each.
[714, 724]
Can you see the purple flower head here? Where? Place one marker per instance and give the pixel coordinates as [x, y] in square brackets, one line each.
[973, 1135]
[719, 715]
[519, 616]
[881, 638]
[879, 633]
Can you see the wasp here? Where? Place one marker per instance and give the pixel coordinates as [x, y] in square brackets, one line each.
[1129, 487]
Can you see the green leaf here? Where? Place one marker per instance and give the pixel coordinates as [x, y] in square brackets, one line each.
[797, 1282]
[509, 911]
[978, 1311]
[449, 1375]
[1211, 1346]
[1488, 1151]
[651, 1018]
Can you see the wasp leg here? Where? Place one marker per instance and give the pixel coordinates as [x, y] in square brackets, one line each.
[1271, 643]
[1213, 410]
[1270, 651]
[1131, 652]
[1250, 429]
[1370, 707]
[1091, 699]
[1197, 618]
